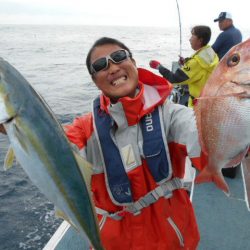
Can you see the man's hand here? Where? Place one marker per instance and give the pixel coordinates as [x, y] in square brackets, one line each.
[154, 64]
[2, 129]
[181, 60]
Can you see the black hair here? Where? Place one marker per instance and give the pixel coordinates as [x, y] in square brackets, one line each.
[202, 32]
[103, 41]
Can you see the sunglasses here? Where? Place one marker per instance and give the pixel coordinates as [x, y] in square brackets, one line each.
[103, 63]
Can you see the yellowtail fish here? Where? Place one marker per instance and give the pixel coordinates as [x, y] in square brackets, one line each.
[44, 152]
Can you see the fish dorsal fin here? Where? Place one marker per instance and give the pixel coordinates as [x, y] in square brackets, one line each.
[60, 214]
[85, 168]
[9, 159]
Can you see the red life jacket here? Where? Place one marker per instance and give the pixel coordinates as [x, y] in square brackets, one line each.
[168, 223]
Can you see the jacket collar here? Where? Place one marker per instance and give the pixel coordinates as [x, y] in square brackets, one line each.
[152, 91]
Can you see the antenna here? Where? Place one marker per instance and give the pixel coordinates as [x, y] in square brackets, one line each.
[180, 53]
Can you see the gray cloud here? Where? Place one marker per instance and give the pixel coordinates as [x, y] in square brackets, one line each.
[14, 8]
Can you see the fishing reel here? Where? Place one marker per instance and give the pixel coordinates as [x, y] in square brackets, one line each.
[179, 94]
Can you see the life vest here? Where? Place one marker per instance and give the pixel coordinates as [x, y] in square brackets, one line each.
[154, 148]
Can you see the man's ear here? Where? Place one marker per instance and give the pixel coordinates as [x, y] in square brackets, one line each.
[93, 79]
[201, 41]
[133, 60]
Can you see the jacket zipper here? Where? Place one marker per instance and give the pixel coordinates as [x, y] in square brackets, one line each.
[102, 222]
[177, 231]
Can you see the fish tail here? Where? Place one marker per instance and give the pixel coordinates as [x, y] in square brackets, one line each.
[217, 177]
[221, 183]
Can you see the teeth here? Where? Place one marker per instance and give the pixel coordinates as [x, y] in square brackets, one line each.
[119, 81]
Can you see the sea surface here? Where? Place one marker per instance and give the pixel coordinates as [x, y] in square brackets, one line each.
[52, 59]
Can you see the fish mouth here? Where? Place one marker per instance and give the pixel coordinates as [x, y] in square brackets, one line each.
[243, 83]
[10, 119]
[7, 112]
[7, 120]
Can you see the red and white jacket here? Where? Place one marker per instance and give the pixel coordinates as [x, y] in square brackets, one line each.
[169, 222]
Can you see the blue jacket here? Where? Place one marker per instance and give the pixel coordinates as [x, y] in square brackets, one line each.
[226, 40]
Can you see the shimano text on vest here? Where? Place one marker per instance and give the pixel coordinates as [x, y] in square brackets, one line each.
[149, 122]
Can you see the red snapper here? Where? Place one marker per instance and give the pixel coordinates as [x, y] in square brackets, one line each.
[223, 116]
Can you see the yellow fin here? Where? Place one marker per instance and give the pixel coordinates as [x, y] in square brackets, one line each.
[9, 159]
[85, 168]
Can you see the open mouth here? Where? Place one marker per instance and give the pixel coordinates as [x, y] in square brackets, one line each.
[119, 80]
[6, 120]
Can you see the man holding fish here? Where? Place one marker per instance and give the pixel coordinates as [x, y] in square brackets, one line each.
[137, 142]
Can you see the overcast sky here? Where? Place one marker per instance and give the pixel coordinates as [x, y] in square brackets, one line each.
[126, 12]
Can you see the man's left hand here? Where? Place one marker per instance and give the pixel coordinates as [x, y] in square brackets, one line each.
[154, 64]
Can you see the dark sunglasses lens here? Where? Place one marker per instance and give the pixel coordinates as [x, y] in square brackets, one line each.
[100, 64]
[118, 56]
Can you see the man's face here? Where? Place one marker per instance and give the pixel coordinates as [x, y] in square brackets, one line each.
[224, 24]
[195, 42]
[118, 79]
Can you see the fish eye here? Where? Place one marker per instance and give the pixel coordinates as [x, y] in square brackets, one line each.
[233, 60]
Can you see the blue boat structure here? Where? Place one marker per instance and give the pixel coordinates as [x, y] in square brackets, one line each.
[224, 222]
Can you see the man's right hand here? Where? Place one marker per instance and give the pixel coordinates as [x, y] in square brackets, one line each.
[181, 60]
[154, 64]
[2, 129]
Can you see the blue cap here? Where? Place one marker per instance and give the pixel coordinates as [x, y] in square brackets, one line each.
[223, 15]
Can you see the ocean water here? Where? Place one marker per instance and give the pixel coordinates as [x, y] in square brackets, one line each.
[52, 59]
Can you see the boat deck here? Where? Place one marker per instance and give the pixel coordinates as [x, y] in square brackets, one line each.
[224, 222]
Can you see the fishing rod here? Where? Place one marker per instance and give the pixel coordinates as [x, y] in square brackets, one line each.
[179, 15]
[179, 92]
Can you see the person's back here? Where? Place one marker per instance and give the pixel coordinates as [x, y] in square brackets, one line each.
[229, 37]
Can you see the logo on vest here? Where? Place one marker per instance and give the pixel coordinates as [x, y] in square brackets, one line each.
[128, 156]
[119, 191]
[149, 123]
[128, 192]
